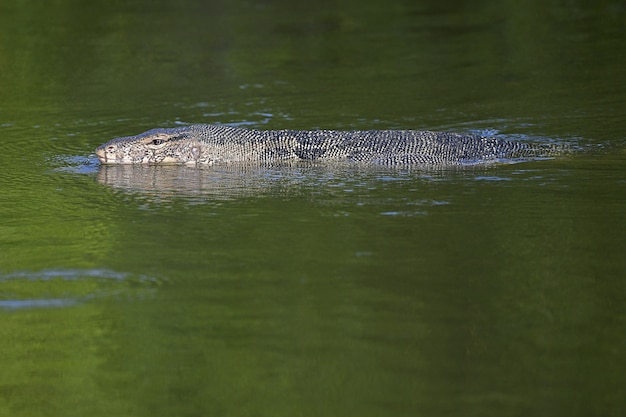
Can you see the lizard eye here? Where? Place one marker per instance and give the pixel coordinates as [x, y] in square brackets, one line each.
[160, 140]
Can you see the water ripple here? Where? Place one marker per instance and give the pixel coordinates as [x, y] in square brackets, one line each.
[54, 288]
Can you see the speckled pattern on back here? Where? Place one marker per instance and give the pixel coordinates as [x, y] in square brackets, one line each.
[211, 144]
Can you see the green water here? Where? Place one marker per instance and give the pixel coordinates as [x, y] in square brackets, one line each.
[312, 290]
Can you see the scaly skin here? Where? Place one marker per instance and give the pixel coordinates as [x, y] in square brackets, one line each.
[214, 144]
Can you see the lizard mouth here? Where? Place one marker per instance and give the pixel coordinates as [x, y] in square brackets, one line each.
[101, 153]
[106, 158]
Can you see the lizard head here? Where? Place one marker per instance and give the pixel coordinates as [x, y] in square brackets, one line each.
[157, 146]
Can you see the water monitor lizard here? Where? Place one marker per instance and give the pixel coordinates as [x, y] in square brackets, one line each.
[212, 144]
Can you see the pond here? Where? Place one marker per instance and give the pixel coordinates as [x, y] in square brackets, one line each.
[305, 289]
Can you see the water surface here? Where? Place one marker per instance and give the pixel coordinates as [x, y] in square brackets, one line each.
[306, 289]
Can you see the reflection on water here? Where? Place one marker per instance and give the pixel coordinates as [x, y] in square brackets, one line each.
[68, 287]
[229, 181]
[232, 181]
[241, 180]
